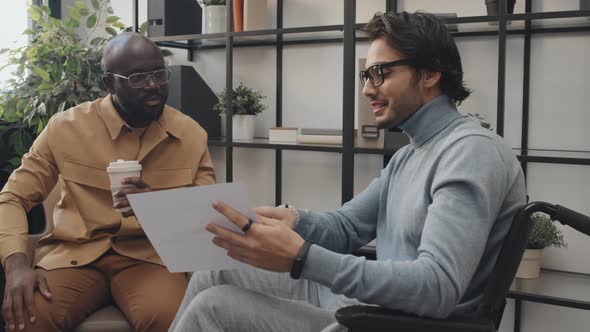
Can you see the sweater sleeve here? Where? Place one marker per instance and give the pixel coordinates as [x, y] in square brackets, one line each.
[468, 189]
[347, 228]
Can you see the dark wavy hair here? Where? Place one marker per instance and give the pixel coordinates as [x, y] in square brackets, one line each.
[425, 39]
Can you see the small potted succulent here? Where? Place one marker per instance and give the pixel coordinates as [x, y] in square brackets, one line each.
[246, 104]
[543, 234]
[214, 16]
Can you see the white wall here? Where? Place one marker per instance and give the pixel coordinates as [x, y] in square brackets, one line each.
[312, 92]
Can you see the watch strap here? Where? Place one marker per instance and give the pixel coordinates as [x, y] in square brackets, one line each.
[299, 260]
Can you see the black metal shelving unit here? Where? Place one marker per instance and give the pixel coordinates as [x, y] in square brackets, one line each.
[348, 34]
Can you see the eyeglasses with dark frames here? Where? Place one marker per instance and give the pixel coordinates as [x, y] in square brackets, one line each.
[140, 80]
[374, 74]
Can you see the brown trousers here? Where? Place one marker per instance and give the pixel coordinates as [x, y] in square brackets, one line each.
[147, 294]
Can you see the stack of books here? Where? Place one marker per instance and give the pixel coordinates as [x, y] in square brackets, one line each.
[319, 136]
[282, 135]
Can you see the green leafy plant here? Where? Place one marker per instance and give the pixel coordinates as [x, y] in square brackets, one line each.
[245, 101]
[56, 70]
[482, 121]
[213, 3]
[544, 233]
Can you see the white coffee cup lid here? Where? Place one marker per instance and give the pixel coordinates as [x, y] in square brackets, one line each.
[124, 166]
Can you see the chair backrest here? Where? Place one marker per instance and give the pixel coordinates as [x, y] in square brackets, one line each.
[498, 285]
[43, 223]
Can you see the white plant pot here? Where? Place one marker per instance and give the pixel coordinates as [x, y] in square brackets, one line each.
[530, 265]
[243, 127]
[214, 19]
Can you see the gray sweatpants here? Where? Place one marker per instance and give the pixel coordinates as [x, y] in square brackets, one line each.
[255, 300]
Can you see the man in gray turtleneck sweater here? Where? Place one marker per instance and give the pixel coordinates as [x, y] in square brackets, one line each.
[439, 210]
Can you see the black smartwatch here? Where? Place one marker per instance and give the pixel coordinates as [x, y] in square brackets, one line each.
[297, 267]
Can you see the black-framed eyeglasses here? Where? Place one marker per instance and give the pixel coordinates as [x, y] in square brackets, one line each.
[140, 80]
[374, 74]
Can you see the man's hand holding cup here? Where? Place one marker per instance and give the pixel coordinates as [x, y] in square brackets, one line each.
[125, 179]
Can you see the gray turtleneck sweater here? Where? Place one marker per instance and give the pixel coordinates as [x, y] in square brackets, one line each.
[439, 212]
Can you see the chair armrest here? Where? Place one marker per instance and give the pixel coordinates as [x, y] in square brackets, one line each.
[373, 318]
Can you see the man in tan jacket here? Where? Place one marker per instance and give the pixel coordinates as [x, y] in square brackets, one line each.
[95, 254]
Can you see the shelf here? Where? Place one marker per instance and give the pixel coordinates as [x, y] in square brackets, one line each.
[566, 289]
[547, 156]
[263, 143]
[531, 155]
[334, 33]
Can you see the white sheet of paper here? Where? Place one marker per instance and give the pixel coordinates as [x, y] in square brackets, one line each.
[174, 221]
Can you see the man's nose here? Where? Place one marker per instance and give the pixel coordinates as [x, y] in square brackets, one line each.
[368, 89]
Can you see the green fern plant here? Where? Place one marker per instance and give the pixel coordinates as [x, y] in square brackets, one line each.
[544, 233]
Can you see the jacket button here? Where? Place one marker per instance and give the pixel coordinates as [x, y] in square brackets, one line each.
[74, 262]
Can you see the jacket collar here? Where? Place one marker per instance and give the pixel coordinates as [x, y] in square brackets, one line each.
[114, 123]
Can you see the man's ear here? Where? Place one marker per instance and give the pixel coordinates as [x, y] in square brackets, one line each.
[109, 83]
[429, 79]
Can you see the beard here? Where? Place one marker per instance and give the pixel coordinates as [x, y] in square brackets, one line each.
[138, 114]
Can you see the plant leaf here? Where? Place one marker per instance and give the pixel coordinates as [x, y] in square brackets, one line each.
[84, 12]
[94, 42]
[91, 21]
[111, 31]
[42, 73]
[81, 5]
[95, 4]
[110, 10]
[143, 27]
[74, 12]
[35, 13]
[112, 19]
[15, 161]
[29, 32]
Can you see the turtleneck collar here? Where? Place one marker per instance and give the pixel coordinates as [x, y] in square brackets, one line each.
[429, 120]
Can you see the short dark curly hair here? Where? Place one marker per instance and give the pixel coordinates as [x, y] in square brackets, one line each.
[425, 39]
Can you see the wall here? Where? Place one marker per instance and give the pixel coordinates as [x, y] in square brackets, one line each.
[312, 97]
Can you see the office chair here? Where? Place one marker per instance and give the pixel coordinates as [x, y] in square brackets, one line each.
[106, 319]
[489, 313]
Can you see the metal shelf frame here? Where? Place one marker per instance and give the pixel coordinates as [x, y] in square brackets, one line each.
[348, 34]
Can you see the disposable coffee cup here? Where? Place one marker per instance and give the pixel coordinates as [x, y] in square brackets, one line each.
[120, 170]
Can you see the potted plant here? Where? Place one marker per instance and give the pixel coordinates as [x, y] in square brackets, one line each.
[246, 104]
[543, 234]
[214, 16]
[56, 70]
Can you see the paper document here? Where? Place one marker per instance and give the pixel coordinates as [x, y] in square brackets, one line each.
[174, 222]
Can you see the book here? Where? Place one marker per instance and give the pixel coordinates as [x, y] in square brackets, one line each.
[238, 15]
[282, 134]
[320, 131]
[319, 139]
[255, 15]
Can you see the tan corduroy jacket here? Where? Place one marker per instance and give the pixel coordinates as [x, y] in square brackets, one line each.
[77, 145]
